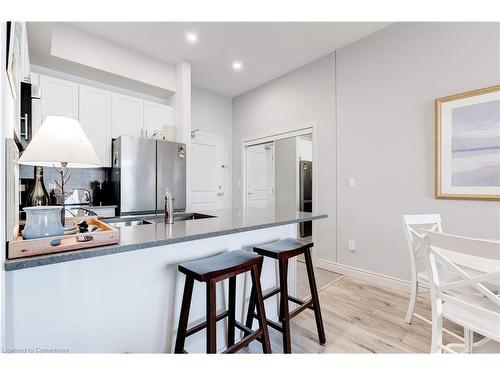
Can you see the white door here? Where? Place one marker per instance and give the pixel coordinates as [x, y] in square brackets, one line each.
[156, 117]
[207, 186]
[95, 117]
[127, 118]
[58, 97]
[260, 176]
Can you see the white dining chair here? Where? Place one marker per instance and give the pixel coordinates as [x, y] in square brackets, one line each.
[412, 225]
[471, 298]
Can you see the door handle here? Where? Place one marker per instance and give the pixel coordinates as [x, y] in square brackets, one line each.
[221, 194]
[26, 128]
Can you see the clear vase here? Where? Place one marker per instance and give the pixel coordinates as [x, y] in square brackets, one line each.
[43, 221]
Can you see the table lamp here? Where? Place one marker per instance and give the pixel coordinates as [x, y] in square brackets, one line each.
[60, 142]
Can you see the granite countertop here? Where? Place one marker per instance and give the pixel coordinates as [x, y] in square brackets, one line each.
[150, 235]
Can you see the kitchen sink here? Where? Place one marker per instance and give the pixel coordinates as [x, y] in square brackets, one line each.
[127, 222]
[134, 221]
[181, 216]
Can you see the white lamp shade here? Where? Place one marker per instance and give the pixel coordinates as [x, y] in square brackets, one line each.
[60, 140]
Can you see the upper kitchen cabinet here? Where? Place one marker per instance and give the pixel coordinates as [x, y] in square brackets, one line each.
[127, 117]
[95, 118]
[157, 117]
[58, 97]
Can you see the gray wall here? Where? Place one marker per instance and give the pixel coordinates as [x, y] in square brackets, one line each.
[296, 100]
[212, 113]
[386, 85]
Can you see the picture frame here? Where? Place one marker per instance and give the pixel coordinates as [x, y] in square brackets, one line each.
[17, 42]
[468, 145]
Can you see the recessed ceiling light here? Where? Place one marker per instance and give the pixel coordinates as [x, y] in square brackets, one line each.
[237, 65]
[191, 37]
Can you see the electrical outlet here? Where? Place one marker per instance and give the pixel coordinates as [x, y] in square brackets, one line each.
[351, 244]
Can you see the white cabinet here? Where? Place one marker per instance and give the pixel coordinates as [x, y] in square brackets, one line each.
[25, 56]
[58, 97]
[36, 104]
[127, 117]
[95, 118]
[157, 117]
[103, 114]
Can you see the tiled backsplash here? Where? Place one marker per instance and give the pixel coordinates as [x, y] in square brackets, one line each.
[80, 177]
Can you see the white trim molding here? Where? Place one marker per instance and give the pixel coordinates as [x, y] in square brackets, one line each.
[310, 128]
[374, 278]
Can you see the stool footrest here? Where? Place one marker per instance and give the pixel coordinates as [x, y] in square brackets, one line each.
[252, 335]
[243, 328]
[271, 293]
[275, 325]
[270, 323]
[299, 301]
[202, 325]
[303, 305]
[244, 342]
[291, 298]
[301, 308]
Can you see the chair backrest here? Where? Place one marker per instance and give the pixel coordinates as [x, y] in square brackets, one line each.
[465, 271]
[413, 226]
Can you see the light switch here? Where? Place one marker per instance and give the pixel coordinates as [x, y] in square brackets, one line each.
[352, 182]
[352, 245]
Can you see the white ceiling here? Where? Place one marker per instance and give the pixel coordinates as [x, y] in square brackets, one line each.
[266, 49]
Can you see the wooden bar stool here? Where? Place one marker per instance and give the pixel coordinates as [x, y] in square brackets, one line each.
[210, 271]
[282, 251]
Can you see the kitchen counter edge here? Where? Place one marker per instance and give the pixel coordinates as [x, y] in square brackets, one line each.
[43, 260]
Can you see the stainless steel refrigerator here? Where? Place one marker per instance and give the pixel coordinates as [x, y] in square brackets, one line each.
[141, 172]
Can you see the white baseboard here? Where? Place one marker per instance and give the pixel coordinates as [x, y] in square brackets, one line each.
[368, 276]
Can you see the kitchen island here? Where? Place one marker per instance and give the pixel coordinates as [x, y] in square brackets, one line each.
[125, 298]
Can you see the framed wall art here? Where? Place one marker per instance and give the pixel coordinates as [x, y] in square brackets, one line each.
[17, 56]
[468, 145]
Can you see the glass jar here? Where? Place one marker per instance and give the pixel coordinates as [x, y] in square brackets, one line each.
[43, 221]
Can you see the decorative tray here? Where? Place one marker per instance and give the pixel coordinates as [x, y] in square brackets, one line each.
[103, 235]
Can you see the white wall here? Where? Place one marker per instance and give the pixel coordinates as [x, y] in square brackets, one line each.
[212, 114]
[386, 84]
[294, 101]
[98, 84]
[83, 48]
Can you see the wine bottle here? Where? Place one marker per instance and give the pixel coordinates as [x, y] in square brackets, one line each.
[38, 196]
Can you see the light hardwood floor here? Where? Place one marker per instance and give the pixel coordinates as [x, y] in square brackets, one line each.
[360, 318]
[323, 279]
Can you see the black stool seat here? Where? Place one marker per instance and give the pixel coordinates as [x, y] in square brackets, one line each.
[288, 247]
[210, 271]
[282, 251]
[213, 267]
